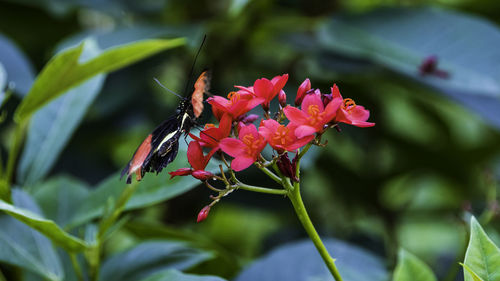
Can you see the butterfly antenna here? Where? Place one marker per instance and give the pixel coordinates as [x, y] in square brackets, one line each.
[194, 63]
[161, 85]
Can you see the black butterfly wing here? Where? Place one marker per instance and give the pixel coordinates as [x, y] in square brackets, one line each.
[164, 145]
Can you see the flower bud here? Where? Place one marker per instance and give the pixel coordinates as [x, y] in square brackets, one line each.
[249, 118]
[202, 175]
[429, 65]
[288, 168]
[282, 98]
[203, 214]
[302, 91]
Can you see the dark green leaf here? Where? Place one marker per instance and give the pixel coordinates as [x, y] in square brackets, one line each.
[482, 256]
[300, 261]
[462, 45]
[411, 36]
[67, 70]
[410, 268]
[150, 257]
[3, 83]
[60, 197]
[175, 275]
[18, 68]
[153, 189]
[52, 126]
[23, 246]
[45, 226]
[127, 34]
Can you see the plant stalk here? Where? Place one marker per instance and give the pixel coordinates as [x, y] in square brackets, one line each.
[300, 209]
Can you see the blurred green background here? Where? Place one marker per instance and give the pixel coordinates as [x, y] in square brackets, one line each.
[407, 182]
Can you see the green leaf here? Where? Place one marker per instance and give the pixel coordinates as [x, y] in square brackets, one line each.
[3, 80]
[45, 226]
[153, 189]
[66, 70]
[411, 36]
[175, 275]
[300, 261]
[25, 247]
[149, 257]
[17, 66]
[52, 126]
[60, 197]
[482, 256]
[475, 277]
[410, 268]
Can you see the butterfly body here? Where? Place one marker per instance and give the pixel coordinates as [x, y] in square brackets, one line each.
[161, 146]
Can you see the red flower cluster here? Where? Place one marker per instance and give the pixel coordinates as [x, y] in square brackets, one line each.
[239, 138]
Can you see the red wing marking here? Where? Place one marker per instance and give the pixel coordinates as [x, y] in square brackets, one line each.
[200, 87]
[139, 157]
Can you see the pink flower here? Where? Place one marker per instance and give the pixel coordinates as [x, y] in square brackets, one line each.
[265, 89]
[302, 91]
[282, 138]
[245, 149]
[211, 136]
[349, 112]
[237, 104]
[198, 163]
[313, 115]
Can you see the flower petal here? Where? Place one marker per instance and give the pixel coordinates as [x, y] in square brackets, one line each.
[248, 129]
[304, 130]
[279, 82]
[295, 115]
[336, 92]
[180, 172]
[233, 147]
[359, 113]
[312, 99]
[195, 155]
[362, 124]
[263, 88]
[300, 143]
[241, 163]
[331, 109]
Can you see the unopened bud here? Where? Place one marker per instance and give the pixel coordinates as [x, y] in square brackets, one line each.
[249, 118]
[282, 98]
[202, 175]
[203, 214]
[302, 91]
[288, 168]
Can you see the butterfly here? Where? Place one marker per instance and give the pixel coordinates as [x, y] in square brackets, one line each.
[161, 146]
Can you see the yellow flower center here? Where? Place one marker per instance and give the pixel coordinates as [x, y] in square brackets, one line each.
[233, 97]
[315, 116]
[348, 105]
[251, 143]
[281, 135]
[209, 125]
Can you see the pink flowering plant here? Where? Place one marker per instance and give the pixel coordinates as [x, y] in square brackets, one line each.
[289, 132]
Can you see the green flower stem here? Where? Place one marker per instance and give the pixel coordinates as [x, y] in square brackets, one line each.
[19, 133]
[306, 148]
[270, 174]
[76, 266]
[118, 208]
[300, 209]
[262, 189]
